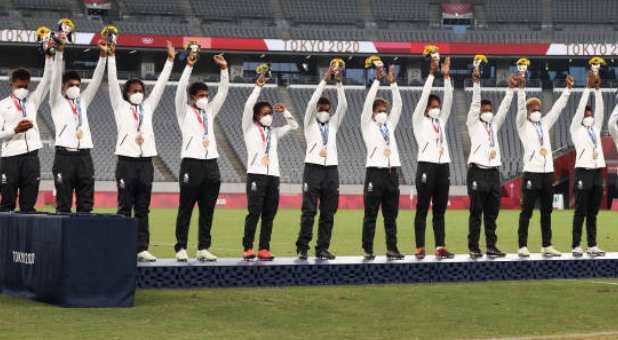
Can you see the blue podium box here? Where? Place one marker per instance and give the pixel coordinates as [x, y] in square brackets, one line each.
[71, 260]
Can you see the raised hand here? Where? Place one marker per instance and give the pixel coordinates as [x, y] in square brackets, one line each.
[513, 81]
[446, 68]
[433, 66]
[220, 61]
[103, 48]
[597, 81]
[171, 51]
[279, 108]
[391, 74]
[261, 81]
[476, 75]
[590, 79]
[329, 73]
[23, 126]
[570, 81]
[380, 73]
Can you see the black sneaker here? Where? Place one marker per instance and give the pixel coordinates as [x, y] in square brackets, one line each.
[369, 256]
[476, 254]
[324, 254]
[442, 253]
[302, 255]
[394, 255]
[494, 253]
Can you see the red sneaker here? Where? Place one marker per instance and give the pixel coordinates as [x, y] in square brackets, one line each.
[265, 255]
[248, 254]
[420, 253]
[442, 253]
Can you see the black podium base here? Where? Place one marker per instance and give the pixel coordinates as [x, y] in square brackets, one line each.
[167, 273]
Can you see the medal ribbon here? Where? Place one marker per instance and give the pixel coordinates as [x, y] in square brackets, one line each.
[138, 115]
[592, 136]
[490, 134]
[385, 134]
[539, 132]
[265, 137]
[435, 122]
[324, 133]
[202, 119]
[77, 110]
[20, 105]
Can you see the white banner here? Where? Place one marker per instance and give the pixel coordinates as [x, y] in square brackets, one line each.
[583, 49]
[320, 46]
[25, 36]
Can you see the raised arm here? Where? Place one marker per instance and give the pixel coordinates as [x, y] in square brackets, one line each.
[505, 105]
[475, 106]
[159, 87]
[36, 98]
[421, 105]
[224, 85]
[579, 112]
[247, 114]
[447, 102]
[552, 116]
[393, 118]
[342, 104]
[115, 94]
[290, 125]
[55, 94]
[312, 110]
[181, 92]
[522, 111]
[367, 114]
[599, 110]
[90, 92]
[611, 124]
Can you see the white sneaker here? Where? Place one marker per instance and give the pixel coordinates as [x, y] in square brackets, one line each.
[595, 251]
[182, 256]
[145, 256]
[578, 251]
[523, 252]
[205, 255]
[550, 252]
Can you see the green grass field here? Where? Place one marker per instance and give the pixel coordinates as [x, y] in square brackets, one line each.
[556, 309]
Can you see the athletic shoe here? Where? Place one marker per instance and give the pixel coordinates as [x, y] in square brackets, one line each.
[182, 256]
[550, 252]
[248, 254]
[324, 254]
[265, 255]
[523, 252]
[369, 256]
[476, 254]
[302, 255]
[420, 253]
[595, 251]
[494, 253]
[145, 256]
[204, 255]
[394, 255]
[442, 253]
[578, 251]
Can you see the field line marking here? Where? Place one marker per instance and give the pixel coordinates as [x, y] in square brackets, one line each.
[556, 336]
[605, 283]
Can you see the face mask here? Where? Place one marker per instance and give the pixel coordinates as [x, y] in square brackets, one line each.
[434, 113]
[588, 121]
[202, 103]
[73, 92]
[381, 117]
[323, 116]
[535, 116]
[136, 98]
[487, 116]
[266, 120]
[21, 93]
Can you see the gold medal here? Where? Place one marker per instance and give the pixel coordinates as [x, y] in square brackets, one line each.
[205, 142]
[492, 153]
[323, 152]
[387, 152]
[79, 134]
[595, 154]
[265, 160]
[543, 152]
[139, 139]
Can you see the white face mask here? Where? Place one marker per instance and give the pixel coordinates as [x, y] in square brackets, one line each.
[21, 93]
[434, 113]
[73, 92]
[487, 116]
[136, 98]
[266, 120]
[535, 116]
[323, 116]
[381, 117]
[202, 103]
[588, 121]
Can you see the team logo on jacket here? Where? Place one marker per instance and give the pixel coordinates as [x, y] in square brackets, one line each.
[253, 186]
[185, 178]
[474, 185]
[424, 178]
[529, 184]
[580, 184]
[59, 178]
[4, 179]
[305, 187]
[121, 184]
[370, 187]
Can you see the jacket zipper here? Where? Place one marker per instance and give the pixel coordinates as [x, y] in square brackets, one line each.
[62, 131]
[373, 152]
[254, 158]
[425, 148]
[123, 139]
[581, 154]
[477, 149]
[188, 143]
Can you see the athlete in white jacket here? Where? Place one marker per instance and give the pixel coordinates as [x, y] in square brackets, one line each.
[432, 174]
[589, 163]
[483, 182]
[199, 178]
[321, 177]
[135, 145]
[20, 167]
[538, 177]
[382, 165]
[261, 140]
